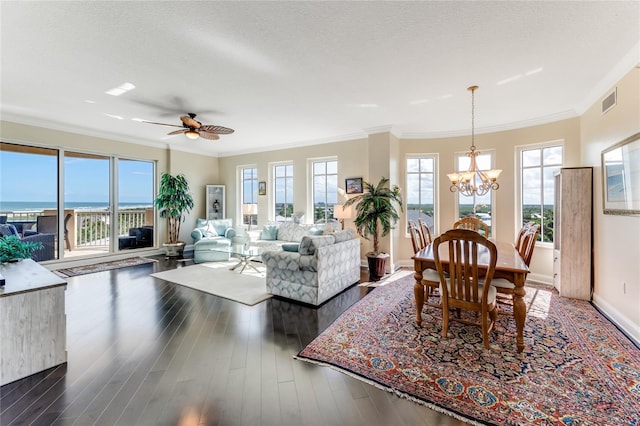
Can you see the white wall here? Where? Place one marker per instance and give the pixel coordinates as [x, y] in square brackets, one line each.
[505, 145]
[616, 238]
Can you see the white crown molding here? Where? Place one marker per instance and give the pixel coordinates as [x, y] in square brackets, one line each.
[493, 129]
[628, 62]
[299, 144]
[378, 129]
[51, 125]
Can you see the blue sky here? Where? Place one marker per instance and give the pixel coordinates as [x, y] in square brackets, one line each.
[27, 177]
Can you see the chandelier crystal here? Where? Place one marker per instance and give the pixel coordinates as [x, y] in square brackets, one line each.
[474, 181]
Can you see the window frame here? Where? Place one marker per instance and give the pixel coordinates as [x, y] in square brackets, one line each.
[492, 153]
[113, 211]
[312, 188]
[241, 195]
[272, 195]
[436, 210]
[519, 181]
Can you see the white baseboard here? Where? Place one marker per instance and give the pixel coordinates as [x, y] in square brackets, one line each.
[540, 279]
[632, 330]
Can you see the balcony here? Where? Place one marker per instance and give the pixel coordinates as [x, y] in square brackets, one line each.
[88, 231]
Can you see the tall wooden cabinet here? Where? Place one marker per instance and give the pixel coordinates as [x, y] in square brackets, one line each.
[572, 251]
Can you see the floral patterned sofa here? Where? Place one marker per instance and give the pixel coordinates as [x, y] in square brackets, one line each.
[323, 266]
[274, 236]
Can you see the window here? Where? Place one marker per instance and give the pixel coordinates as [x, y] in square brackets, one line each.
[283, 192]
[28, 190]
[249, 185]
[421, 187]
[107, 202]
[538, 166]
[325, 189]
[474, 205]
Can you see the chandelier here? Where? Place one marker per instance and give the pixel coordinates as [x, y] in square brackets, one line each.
[474, 181]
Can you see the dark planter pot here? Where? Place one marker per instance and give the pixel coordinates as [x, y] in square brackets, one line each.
[377, 266]
[174, 250]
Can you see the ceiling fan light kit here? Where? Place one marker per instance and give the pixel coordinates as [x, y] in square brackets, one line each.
[193, 129]
[192, 134]
[474, 181]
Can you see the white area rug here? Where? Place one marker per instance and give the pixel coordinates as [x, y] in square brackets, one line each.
[215, 278]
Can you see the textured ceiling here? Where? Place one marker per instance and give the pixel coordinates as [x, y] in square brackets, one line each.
[293, 73]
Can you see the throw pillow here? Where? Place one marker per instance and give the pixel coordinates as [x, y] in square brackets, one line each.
[293, 247]
[210, 230]
[269, 232]
[315, 231]
[8, 229]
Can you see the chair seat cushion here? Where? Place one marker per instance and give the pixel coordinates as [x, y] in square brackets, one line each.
[430, 275]
[491, 296]
[502, 283]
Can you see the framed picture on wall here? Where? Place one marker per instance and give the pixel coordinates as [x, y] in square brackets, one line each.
[215, 202]
[353, 185]
[262, 188]
[621, 177]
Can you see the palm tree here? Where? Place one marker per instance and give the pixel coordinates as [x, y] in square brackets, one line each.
[174, 200]
[376, 210]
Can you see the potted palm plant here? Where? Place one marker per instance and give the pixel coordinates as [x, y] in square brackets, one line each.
[173, 201]
[376, 215]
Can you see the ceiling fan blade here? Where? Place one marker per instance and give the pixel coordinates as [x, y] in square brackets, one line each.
[216, 129]
[177, 132]
[161, 124]
[210, 136]
[190, 121]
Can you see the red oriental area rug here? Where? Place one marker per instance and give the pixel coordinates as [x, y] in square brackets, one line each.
[577, 368]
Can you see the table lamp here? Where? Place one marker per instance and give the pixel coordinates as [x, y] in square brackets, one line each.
[341, 213]
[250, 210]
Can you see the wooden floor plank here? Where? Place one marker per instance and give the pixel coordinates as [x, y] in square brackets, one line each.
[142, 351]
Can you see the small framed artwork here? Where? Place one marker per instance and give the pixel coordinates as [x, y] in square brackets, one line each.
[262, 188]
[621, 177]
[353, 185]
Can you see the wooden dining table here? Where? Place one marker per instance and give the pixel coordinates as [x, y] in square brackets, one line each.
[509, 266]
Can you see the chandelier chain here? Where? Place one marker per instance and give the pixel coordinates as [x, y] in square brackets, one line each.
[474, 181]
[473, 117]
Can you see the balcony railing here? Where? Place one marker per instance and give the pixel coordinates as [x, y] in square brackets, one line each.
[86, 228]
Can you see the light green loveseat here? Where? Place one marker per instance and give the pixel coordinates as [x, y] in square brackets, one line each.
[210, 236]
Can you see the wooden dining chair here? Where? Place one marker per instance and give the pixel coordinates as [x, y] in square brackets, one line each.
[521, 234]
[416, 237]
[425, 232]
[467, 287]
[527, 245]
[474, 224]
[430, 278]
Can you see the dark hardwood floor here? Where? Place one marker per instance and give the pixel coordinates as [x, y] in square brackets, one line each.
[142, 351]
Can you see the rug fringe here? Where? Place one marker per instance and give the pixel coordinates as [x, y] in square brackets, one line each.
[398, 393]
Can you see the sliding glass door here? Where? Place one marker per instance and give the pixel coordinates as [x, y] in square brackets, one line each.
[29, 196]
[87, 201]
[106, 204]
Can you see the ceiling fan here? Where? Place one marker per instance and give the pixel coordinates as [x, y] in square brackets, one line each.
[193, 129]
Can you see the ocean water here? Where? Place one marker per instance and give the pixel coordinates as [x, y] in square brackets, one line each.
[20, 206]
